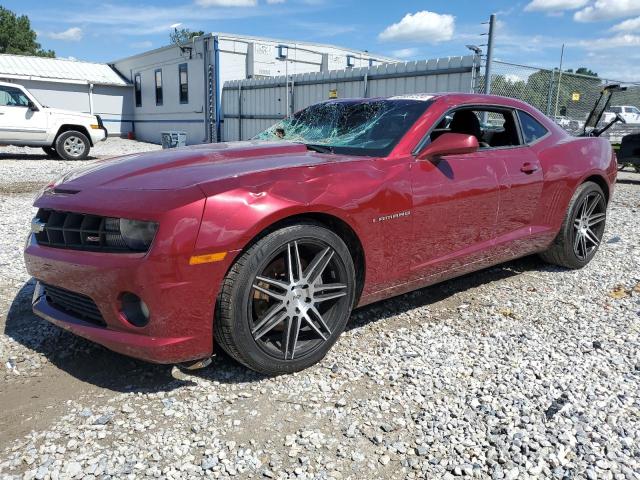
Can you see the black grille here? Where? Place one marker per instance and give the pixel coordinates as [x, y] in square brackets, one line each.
[74, 304]
[80, 231]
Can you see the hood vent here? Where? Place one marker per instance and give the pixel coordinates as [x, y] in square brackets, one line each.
[65, 191]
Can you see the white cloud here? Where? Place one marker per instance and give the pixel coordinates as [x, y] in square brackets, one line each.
[226, 3]
[322, 29]
[421, 26]
[631, 25]
[144, 19]
[513, 78]
[142, 44]
[618, 41]
[555, 5]
[405, 52]
[608, 9]
[72, 34]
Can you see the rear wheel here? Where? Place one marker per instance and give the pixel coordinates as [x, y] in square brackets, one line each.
[582, 229]
[72, 145]
[286, 300]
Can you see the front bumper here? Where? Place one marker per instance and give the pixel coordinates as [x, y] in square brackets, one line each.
[103, 133]
[180, 297]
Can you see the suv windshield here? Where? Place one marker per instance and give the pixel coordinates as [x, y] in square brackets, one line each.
[355, 128]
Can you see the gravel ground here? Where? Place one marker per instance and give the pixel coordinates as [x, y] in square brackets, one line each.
[519, 371]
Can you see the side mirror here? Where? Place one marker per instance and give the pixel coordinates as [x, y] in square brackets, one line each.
[32, 106]
[449, 144]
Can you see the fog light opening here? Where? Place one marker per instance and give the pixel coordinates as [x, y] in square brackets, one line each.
[134, 310]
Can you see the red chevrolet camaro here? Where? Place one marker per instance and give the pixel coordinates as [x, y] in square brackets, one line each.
[264, 247]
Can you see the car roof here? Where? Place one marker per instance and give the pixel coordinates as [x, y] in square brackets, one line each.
[452, 98]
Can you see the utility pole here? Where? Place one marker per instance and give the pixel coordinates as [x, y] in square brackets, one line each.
[555, 113]
[487, 71]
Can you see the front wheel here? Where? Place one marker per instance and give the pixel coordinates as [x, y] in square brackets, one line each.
[72, 145]
[286, 300]
[582, 230]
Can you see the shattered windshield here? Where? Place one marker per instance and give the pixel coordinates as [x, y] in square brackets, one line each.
[356, 128]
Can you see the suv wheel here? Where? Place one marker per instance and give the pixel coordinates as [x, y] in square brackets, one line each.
[72, 145]
[286, 300]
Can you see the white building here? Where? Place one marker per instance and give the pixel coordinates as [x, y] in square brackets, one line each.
[179, 88]
[73, 85]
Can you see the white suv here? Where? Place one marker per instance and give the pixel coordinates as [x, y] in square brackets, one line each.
[25, 122]
[629, 113]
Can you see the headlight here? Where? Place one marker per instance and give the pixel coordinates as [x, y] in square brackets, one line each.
[137, 234]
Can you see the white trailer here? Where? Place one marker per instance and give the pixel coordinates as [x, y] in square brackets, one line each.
[180, 87]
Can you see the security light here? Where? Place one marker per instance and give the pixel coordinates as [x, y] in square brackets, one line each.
[475, 49]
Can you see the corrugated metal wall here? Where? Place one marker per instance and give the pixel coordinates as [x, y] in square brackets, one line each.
[250, 106]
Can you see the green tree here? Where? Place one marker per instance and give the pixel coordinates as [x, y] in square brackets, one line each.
[584, 71]
[17, 37]
[183, 35]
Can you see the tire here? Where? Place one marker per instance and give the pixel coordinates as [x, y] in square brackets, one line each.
[573, 248]
[290, 333]
[72, 145]
[51, 152]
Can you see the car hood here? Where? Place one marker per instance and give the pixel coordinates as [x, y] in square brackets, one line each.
[184, 167]
[60, 111]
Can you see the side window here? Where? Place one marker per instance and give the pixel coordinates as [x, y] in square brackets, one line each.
[138, 89]
[616, 109]
[158, 76]
[13, 97]
[532, 130]
[183, 82]
[493, 127]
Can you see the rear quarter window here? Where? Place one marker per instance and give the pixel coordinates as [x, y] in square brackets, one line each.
[532, 130]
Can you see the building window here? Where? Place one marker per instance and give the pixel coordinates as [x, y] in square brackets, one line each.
[138, 87]
[183, 83]
[159, 86]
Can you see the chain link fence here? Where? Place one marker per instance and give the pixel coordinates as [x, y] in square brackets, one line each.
[564, 96]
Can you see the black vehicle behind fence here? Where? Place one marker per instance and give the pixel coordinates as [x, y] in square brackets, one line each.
[628, 152]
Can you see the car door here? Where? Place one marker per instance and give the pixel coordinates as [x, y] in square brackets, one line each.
[455, 205]
[18, 122]
[521, 182]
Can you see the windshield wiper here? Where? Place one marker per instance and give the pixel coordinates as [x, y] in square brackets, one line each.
[319, 148]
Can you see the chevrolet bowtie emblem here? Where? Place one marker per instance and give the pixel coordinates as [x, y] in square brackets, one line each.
[37, 225]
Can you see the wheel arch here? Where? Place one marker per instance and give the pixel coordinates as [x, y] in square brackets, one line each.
[601, 182]
[333, 223]
[67, 127]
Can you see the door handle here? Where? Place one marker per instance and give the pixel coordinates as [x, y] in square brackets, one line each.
[528, 168]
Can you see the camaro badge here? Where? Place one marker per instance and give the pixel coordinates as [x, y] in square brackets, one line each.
[37, 225]
[393, 216]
